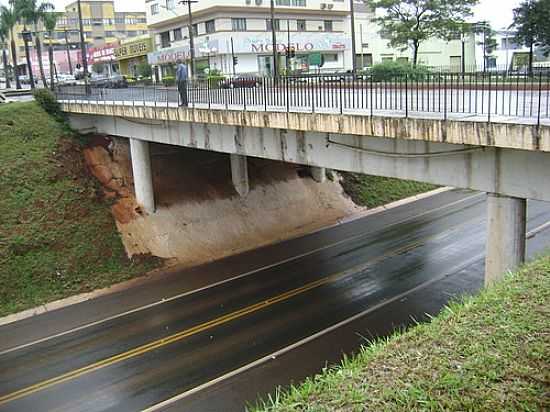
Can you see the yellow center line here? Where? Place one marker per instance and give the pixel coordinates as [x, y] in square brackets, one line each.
[198, 328]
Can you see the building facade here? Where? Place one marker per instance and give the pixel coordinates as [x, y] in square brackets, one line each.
[102, 24]
[224, 29]
[319, 31]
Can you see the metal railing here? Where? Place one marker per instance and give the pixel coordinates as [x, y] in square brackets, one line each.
[441, 95]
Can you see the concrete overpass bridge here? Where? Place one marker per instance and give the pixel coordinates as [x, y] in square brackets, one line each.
[495, 140]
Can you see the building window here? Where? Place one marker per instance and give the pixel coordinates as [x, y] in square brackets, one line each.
[299, 3]
[330, 57]
[282, 2]
[154, 9]
[210, 26]
[327, 25]
[178, 35]
[109, 34]
[195, 29]
[509, 43]
[165, 39]
[238, 24]
[170, 4]
[277, 24]
[301, 25]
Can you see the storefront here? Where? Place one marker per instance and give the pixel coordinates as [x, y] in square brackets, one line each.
[253, 54]
[102, 59]
[131, 53]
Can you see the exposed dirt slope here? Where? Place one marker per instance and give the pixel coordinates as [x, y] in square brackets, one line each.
[199, 215]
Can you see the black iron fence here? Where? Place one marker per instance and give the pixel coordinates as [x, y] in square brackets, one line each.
[486, 95]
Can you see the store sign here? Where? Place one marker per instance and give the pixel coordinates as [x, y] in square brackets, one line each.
[171, 55]
[300, 42]
[134, 49]
[102, 54]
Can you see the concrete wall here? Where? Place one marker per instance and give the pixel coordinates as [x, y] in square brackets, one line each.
[517, 173]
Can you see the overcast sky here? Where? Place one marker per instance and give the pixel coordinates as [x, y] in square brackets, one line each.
[498, 12]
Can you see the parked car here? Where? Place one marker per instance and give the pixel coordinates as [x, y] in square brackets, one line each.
[116, 81]
[68, 79]
[241, 82]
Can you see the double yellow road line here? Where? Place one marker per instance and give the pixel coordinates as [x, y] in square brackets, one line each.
[198, 328]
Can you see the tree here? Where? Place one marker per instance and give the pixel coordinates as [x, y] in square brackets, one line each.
[50, 21]
[488, 43]
[8, 17]
[4, 33]
[33, 12]
[532, 24]
[144, 70]
[408, 23]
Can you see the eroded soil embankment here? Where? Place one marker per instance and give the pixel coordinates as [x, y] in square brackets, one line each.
[199, 215]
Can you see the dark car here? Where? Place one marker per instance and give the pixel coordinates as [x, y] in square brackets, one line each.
[241, 82]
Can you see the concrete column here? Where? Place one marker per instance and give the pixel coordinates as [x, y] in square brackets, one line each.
[143, 177]
[239, 174]
[319, 174]
[506, 235]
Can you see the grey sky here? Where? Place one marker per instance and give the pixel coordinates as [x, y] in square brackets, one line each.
[498, 12]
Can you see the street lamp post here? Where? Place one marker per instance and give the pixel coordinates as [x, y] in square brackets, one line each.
[273, 39]
[27, 36]
[68, 49]
[82, 45]
[352, 15]
[191, 35]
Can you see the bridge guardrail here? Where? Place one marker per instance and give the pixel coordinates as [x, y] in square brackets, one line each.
[488, 94]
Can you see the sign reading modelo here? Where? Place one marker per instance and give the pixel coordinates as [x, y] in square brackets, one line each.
[133, 49]
[172, 54]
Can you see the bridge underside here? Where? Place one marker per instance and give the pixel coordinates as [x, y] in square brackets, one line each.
[509, 175]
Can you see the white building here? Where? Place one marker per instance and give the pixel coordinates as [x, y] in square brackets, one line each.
[318, 30]
[242, 28]
[508, 55]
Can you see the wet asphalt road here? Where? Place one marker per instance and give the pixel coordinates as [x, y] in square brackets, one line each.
[391, 268]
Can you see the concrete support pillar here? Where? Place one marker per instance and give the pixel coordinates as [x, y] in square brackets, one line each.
[239, 174]
[319, 174]
[506, 235]
[143, 177]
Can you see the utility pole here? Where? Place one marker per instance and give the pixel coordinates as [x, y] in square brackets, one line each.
[274, 40]
[191, 35]
[68, 51]
[353, 58]
[83, 46]
[233, 59]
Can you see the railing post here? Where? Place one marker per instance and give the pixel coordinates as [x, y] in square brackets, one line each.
[406, 95]
[264, 81]
[341, 100]
[489, 100]
[287, 94]
[313, 94]
[208, 91]
[445, 97]
[540, 99]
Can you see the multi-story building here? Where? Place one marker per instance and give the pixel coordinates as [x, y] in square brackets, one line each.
[316, 29]
[101, 23]
[372, 47]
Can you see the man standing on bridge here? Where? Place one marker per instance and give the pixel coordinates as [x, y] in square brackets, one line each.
[182, 75]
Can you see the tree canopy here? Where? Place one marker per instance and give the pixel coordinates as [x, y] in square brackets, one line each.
[408, 23]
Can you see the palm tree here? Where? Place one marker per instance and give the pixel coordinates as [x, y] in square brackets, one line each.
[3, 37]
[9, 20]
[50, 21]
[33, 12]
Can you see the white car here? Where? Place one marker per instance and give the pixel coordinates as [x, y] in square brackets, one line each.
[66, 79]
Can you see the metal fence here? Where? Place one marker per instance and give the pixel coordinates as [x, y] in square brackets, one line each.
[486, 95]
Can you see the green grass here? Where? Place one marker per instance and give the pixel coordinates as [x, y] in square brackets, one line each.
[373, 191]
[490, 352]
[57, 238]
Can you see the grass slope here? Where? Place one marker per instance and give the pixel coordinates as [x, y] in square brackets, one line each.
[488, 353]
[373, 191]
[57, 238]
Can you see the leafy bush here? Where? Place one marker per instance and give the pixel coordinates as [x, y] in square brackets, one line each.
[144, 70]
[47, 100]
[215, 78]
[388, 71]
